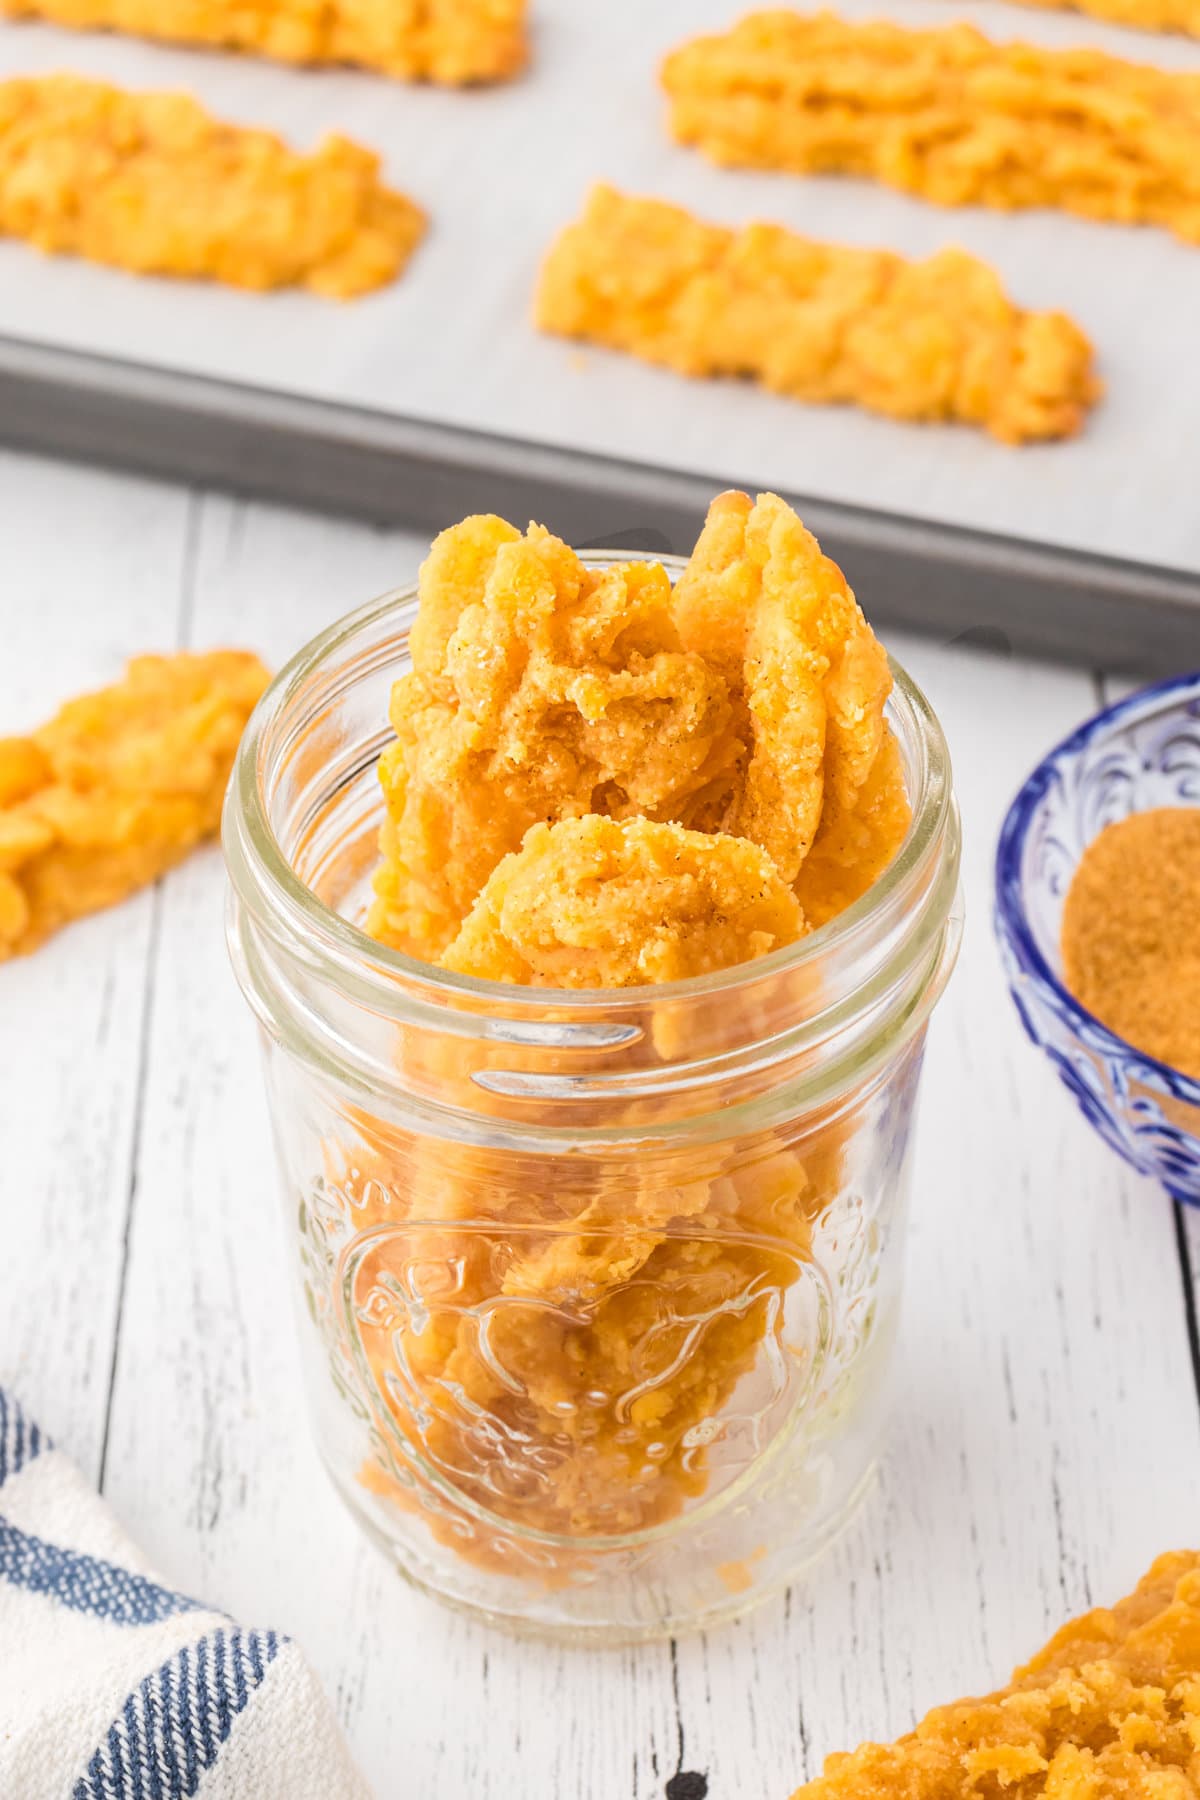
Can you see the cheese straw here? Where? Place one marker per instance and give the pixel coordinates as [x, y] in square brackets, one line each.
[449, 41]
[946, 114]
[937, 339]
[118, 787]
[1143, 15]
[1110, 1706]
[151, 183]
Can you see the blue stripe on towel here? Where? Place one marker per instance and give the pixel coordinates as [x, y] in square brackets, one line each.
[85, 1583]
[170, 1730]
[20, 1438]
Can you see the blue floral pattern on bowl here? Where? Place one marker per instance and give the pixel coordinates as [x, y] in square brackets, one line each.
[1141, 753]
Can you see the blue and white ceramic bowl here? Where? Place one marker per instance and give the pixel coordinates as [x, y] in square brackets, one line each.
[1141, 753]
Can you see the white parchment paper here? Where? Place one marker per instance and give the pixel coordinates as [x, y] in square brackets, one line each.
[501, 169]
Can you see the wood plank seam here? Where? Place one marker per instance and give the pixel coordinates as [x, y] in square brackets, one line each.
[183, 628]
[147, 1014]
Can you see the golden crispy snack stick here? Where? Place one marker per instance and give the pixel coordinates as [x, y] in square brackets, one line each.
[151, 183]
[823, 787]
[946, 114]
[1110, 1707]
[931, 340]
[540, 690]
[117, 788]
[1144, 15]
[454, 42]
[598, 902]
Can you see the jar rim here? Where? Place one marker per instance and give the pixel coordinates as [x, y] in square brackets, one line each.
[384, 978]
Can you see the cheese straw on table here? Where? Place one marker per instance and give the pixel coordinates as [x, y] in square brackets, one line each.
[946, 114]
[454, 42]
[117, 788]
[152, 183]
[1110, 1707]
[936, 340]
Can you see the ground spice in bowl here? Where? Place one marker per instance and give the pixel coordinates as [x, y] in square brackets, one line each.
[1131, 933]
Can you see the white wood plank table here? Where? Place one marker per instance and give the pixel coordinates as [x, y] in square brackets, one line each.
[1046, 1437]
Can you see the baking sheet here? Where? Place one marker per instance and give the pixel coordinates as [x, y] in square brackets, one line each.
[501, 169]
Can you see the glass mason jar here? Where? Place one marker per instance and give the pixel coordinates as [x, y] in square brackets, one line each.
[597, 1289]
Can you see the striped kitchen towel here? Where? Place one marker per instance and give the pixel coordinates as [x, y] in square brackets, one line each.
[113, 1687]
